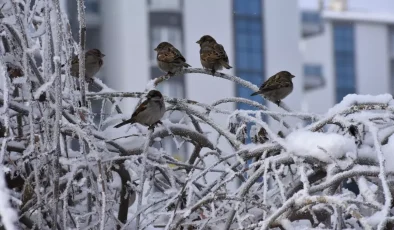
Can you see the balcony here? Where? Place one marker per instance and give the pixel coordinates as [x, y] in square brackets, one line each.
[312, 23]
[165, 5]
[313, 77]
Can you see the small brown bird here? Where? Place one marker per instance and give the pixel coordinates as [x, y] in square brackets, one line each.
[169, 59]
[212, 55]
[14, 71]
[149, 112]
[93, 63]
[277, 87]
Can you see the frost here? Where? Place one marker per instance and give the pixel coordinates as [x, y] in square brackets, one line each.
[322, 146]
[388, 154]
[354, 99]
[64, 165]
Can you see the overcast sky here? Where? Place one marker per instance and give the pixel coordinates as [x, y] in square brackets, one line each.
[386, 6]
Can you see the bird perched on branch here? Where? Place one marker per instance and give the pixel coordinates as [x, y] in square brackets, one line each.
[212, 55]
[169, 59]
[277, 87]
[149, 112]
[93, 63]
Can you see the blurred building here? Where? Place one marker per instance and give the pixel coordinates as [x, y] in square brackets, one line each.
[353, 53]
[261, 37]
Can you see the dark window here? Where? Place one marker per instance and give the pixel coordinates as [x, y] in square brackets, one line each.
[314, 70]
[249, 50]
[249, 7]
[171, 34]
[162, 29]
[165, 4]
[165, 24]
[345, 74]
[391, 56]
[311, 17]
[92, 6]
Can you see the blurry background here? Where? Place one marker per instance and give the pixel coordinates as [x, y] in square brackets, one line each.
[333, 47]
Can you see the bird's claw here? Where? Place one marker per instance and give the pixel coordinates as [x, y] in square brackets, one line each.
[277, 103]
[152, 127]
[89, 80]
[213, 72]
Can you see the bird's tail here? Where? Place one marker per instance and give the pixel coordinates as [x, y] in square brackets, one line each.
[186, 65]
[225, 64]
[255, 93]
[129, 121]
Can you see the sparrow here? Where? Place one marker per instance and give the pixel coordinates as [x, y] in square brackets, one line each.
[14, 71]
[277, 87]
[93, 63]
[149, 112]
[212, 55]
[260, 137]
[169, 59]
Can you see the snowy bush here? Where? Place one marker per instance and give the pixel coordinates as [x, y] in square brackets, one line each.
[63, 170]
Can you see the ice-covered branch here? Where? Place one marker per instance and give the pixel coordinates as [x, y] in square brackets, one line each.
[143, 177]
[182, 172]
[81, 51]
[229, 77]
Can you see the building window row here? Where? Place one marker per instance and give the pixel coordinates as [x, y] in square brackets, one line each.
[391, 56]
[249, 48]
[344, 55]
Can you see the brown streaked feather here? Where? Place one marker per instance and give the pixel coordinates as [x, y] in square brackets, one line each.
[213, 53]
[275, 82]
[170, 55]
[75, 60]
[220, 52]
[140, 108]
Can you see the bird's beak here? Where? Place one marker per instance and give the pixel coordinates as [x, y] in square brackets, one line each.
[292, 76]
[102, 55]
[155, 49]
[198, 42]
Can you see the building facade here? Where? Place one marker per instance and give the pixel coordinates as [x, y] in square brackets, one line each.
[261, 38]
[355, 52]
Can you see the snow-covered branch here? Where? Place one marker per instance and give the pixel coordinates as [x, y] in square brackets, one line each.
[204, 167]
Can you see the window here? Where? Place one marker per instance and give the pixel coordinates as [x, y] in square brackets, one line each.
[391, 55]
[391, 40]
[249, 60]
[392, 74]
[345, 74]
[169, 34]
[172, 88]
[166, 27]
[311, 17]
[312, 23]
[165, 4]
[92, 6]
[312, 70]
[250, 7]
[313, 76]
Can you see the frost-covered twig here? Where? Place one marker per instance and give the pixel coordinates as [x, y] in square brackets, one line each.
[232, 78]
[142, 177]
[58, 103]
[81, 51]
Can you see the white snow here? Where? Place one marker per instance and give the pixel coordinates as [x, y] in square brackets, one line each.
[354, 99]
[365, 16]
[310, 144]
[388, 152]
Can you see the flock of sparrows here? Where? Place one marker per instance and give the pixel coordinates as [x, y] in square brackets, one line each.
[170, 60]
